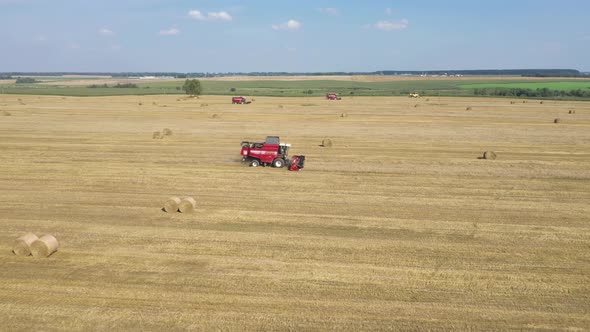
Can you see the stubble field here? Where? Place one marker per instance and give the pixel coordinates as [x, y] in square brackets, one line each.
[398, 226]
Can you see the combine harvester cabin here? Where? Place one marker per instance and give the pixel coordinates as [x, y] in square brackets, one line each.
[272, 152]
[414, 95]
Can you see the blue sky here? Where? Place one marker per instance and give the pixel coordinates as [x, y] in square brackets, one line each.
[292, 35]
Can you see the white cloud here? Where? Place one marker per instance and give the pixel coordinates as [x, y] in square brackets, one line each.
[391, 25]
[330, 11]
[211, 16]
[222, 16]
[105, 32]
[196, 15]
[290, 25]
[169, 32]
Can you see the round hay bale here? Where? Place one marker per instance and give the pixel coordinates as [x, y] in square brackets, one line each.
[489, 155]
[215, 116]
[327, 143]
[572, 112]
[557, 120]
[6, 113]
[156, 135]
[44, 246]
[512, 102]
[187, 205]
[468, 108]
[524, 101]
[416, 105]
[343, 115]
[171, 205]
[541, 103]
[427, 99]
[167, 132]
[22, 245]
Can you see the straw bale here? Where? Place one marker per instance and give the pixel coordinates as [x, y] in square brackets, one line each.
[22, 245]
[187, 205]
[171, 205]
[489, 155]
[327, 143]
[44, 246]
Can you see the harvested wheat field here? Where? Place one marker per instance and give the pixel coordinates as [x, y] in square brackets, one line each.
[400, 225]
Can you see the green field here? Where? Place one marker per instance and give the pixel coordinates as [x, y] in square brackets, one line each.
[302, 88]
[254, 88]
[562, 86]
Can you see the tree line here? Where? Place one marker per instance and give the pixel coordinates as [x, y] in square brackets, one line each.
[118, 85]
[25, 80]
[476, 72]
[532, 93]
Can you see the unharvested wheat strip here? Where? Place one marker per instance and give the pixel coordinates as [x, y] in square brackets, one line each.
[44, 246]
[171, 204]
[22, 245]
[187, 205]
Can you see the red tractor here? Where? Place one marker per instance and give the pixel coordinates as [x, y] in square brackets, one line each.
[239, 100]
[332, 96]
[272, 152]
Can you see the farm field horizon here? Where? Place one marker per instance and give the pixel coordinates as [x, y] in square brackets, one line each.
[400, 225]
[290, 86]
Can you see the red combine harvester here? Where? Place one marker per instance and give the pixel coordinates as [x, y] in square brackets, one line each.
[271, 152]
[332, 96]
[239, 100]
